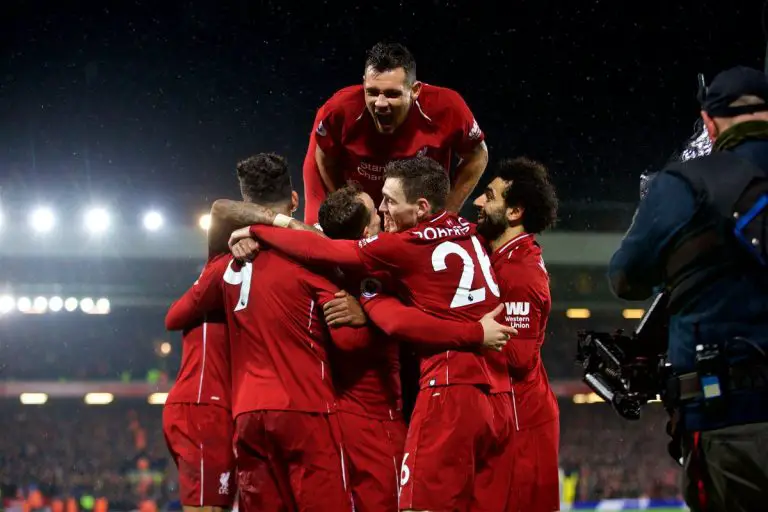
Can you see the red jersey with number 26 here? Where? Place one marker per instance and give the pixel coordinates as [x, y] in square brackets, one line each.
[441, 267]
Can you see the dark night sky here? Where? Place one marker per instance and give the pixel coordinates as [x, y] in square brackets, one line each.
[154, 101]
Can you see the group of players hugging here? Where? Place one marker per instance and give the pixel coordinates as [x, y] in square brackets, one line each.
[289, 393]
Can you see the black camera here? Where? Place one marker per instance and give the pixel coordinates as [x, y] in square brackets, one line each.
[628, 371]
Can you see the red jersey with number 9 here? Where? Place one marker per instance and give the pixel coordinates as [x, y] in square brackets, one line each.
[441, 267]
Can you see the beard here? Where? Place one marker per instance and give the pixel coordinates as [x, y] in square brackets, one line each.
[492, 225]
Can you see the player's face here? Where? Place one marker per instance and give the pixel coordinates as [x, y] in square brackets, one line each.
[398, 214]
[374, 223]
[388, 97]
[492, 210]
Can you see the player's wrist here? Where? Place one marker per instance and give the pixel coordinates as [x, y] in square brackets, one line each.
[475, 333]
[281, 220]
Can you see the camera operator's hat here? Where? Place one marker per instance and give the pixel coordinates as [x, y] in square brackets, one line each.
[730, 85]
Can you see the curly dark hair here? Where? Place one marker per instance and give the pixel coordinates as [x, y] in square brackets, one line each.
[421, 177]
[343, 215]
[529, 188]
[388, 56]
[265, 178]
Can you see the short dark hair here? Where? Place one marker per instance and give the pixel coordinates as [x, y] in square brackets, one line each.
[343, 215]
[421, 177]
[388, 56]
[265, 178]
[531, 189]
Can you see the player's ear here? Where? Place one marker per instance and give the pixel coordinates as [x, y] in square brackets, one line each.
[515, 214]
[294, 201]
[423, 208]
[416, 89]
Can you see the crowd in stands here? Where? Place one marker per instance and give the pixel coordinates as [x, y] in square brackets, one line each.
[67, 449]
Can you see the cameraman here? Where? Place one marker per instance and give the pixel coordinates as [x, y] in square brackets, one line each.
[718, 298]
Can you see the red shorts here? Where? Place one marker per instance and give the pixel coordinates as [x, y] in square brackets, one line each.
[374, 449]
[494, 480]
[537, 481]
[451, 433]
[199, 438]
[290, 460]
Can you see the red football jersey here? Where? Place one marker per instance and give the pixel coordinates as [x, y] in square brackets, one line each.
[368, 380]
[438, 125]
[204, 375]
[279, 340]
[439, 266]
[524, 285]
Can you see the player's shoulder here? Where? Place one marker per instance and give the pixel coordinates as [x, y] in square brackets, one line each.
[436, 101]
[215, 267]
[346, 100]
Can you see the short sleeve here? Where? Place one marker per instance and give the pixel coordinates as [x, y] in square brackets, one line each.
[467, 132]
[328, 129]
[383, 252]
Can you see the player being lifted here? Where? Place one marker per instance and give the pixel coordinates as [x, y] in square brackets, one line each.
[390, 116]
[439, 266]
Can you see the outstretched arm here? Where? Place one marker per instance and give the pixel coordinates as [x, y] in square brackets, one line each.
[414, 326]
[308, 248]
[228, 215]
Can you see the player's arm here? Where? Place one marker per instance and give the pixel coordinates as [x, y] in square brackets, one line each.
[468, 173]
[346, 337]
[322, 172]
[203, 297]
[228, 216]
[524, 350]
[412, 325]
[469, 145]
[382, 252]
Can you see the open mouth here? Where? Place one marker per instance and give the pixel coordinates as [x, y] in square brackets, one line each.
[385, 120]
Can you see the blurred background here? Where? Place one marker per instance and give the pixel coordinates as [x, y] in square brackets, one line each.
[120, 124]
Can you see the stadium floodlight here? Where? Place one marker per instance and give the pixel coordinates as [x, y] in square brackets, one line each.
[70, 304]
[153, 221]
[99, 398]
[157, 398]
[55, 303]
[24, 304]
[165, 348]
[42, 220]
[102, 306]
[97, 220]
[33, 398]
[86, 304]
[205, 222]
[7, 304]
[40, 305]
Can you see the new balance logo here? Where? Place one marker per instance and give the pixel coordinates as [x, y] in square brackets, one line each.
[517, 308]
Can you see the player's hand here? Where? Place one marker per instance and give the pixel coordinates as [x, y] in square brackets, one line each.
[495, 335]
[245, 249]
[344, 310]
[238, 235]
